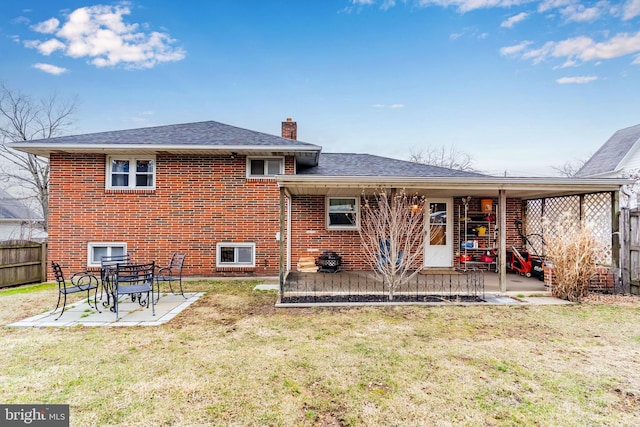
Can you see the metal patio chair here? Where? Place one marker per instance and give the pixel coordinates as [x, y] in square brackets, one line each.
[171, 273]
[135, 280]
[108, 265]
[81, 281]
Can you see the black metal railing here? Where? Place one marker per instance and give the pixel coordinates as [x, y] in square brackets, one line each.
[364, 287]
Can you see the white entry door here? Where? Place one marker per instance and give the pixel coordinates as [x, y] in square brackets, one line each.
[439, 241]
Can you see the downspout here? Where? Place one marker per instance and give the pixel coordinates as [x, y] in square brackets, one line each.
[282, 239]
[502, 245]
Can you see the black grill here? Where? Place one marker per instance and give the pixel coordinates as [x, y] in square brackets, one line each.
[329, 262]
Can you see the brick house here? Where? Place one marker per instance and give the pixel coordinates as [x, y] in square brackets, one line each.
[225, 195]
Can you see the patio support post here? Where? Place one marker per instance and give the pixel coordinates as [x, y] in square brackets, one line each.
[502, 245]
[615, 229]
[281, 239]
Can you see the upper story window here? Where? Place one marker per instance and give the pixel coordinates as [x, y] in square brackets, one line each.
[342, 213]
[268, 166]
[131, 172]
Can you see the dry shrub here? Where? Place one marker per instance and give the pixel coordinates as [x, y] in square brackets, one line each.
[573, 250]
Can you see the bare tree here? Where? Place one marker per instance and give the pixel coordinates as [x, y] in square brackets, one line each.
[569, 168]
[392, 231]
[23, 119]
[443, 157]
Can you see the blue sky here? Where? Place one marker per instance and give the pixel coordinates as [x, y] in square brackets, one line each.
[521, 86]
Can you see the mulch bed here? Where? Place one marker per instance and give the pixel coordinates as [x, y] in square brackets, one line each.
[309, 299]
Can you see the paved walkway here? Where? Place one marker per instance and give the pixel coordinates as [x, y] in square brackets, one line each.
[131, 314]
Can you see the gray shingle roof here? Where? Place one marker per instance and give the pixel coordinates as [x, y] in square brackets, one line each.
[609, 156]
[349, 164]
[208, 133]
[12, 208]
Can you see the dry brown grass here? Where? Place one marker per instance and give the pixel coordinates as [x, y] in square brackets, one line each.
[233, 359]
[573, 251]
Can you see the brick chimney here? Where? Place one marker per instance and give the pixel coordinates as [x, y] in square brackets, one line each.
[290, 129]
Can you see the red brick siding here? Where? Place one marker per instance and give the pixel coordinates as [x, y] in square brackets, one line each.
[604, 279]
[198, 202]
[310, 236]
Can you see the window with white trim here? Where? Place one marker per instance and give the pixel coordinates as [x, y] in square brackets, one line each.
[235, 254]
[265, 167]
[131, 172]
[342, 213]
[96, 250]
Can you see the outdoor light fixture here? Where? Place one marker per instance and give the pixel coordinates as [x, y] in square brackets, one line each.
[234, 155]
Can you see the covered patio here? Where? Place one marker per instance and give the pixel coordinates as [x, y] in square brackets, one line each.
[525, 201]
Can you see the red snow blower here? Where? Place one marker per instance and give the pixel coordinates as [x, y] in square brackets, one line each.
[521, 261]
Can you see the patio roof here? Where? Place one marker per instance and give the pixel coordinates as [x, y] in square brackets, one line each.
[450, 186]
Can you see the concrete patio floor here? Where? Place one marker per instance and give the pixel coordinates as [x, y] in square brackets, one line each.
[131, 314]
[520, 290]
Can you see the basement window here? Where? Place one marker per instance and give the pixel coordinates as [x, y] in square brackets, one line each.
[96, 250]
[235, 254]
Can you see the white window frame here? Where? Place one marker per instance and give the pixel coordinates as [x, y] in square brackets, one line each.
[266, 159]
[109, 245]
[342, 226]
[132, 172]
[236, 246]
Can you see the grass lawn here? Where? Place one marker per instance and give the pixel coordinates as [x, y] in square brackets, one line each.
[233, 359]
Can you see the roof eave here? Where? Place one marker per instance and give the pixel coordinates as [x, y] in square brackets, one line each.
[45, 150]
[527, 188]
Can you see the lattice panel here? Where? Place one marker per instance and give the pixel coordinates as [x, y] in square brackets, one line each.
[597, 211]
[533, 227]
[556, 208]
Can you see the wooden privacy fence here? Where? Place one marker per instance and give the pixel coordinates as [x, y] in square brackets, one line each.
[22, 263]
[630, 253]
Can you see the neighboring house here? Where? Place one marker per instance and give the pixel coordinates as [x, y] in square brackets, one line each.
[618, 157]
[225, 196]
[18, 222]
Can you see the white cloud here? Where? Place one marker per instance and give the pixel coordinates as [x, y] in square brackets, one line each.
[581, 49]
[51, 69]
[553, 4]
[510, 22]
[579, 13]
[576, 80]
[388, 106]
[469, 5]
[631, 9]
[48, 47]
[512, 50]
[100, 34]
[46, 27]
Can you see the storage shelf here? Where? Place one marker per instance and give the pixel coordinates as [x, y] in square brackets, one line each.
[469, 221]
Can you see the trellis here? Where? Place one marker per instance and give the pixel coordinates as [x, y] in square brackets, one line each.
[594, 208]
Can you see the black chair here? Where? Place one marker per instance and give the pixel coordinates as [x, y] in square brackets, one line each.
[108, 265]
[80, 282]
[135, 280]
[171, 273]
